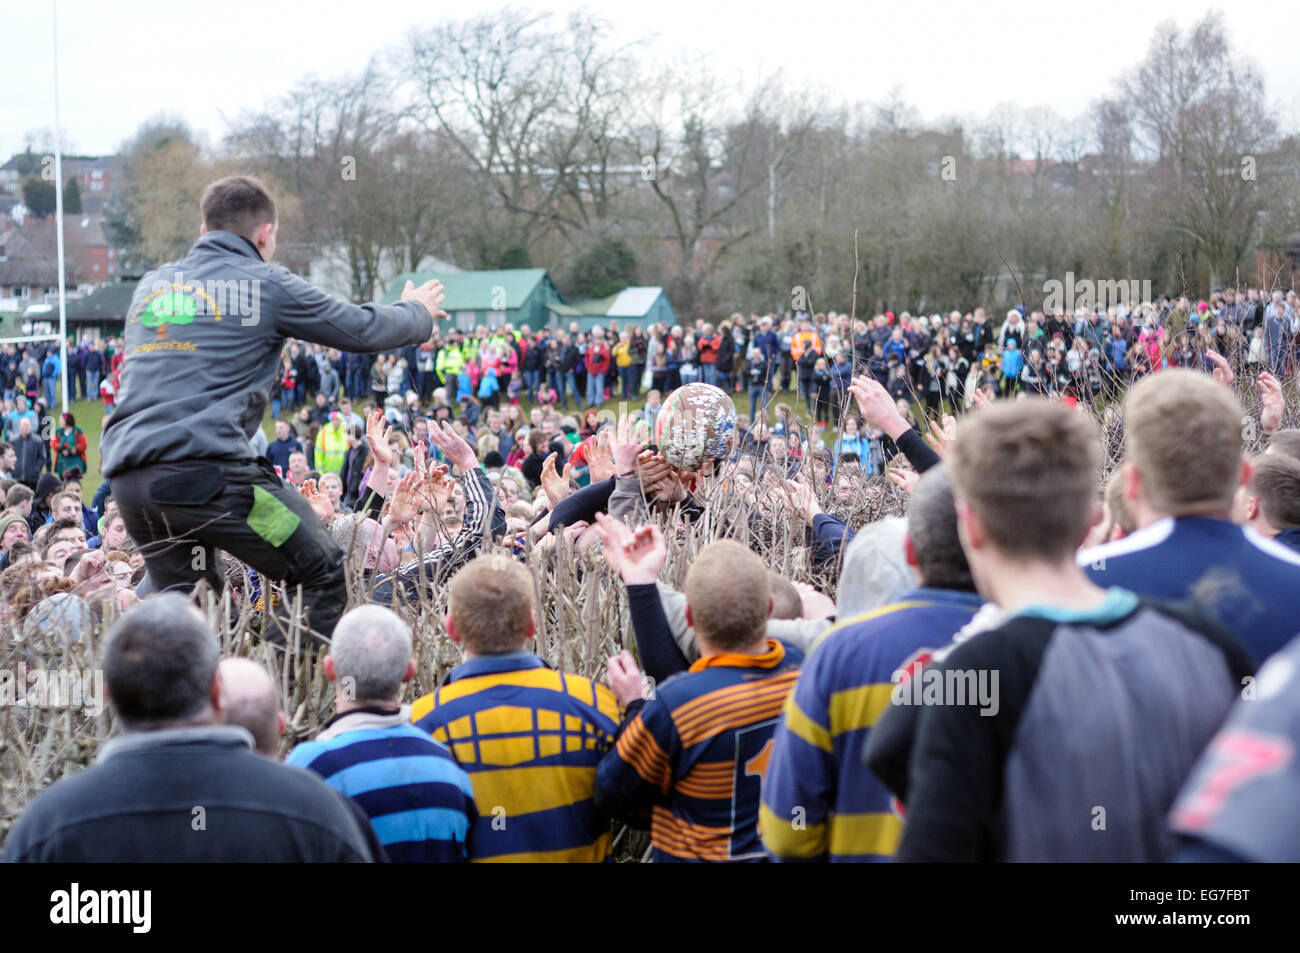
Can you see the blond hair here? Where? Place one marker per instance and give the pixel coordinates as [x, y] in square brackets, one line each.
[1183, 431]
[491, 604]
[729, 593]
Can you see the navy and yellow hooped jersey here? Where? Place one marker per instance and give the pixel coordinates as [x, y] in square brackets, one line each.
[820, 802]
[696, 754]
[530, 739]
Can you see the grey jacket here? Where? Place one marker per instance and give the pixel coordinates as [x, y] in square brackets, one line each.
[203, 340]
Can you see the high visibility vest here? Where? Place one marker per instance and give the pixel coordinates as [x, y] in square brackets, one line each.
[804, 340]
[331, 448]
[450, 361]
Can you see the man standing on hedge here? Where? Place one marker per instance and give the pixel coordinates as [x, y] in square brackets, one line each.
[203, 343]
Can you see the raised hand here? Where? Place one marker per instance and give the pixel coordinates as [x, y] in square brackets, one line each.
[1270, 393]
[613, 533]
[320, 503]
[625, 680]
[644, 554]
[941, 436]
[402, 506]
[600, 461]
[626, 446]
[1222, 369]
[877, 406]
[980, 399]
[556, 485]
[429, 294]
[436, 488]
[453, 446]
[378, 434]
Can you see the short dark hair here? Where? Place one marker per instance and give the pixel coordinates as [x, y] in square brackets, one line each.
[1276, 484]
[239, 204]
[159, 663]
[1286, 442]
[932, 528]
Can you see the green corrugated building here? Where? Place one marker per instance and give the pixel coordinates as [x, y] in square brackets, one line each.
[637, 305]
[517, 296]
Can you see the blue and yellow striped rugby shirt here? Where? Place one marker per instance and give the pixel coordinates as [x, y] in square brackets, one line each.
[820, 801]
[530, 739]
[695, 754]
[419, 802]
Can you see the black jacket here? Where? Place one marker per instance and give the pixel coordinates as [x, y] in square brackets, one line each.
[197, 795]
[33, 459]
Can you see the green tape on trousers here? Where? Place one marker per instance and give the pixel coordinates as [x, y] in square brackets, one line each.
[271, 519]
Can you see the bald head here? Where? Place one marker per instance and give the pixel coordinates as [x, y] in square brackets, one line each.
[251, 701]
[728, 596]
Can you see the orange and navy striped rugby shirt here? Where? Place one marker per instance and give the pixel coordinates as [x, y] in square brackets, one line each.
[696, 752]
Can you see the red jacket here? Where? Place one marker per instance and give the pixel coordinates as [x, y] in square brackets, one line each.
[597, 361]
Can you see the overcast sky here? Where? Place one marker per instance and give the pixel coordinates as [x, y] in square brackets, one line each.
[124, 62]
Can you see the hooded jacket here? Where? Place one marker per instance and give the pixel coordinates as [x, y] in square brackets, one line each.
[203, 341]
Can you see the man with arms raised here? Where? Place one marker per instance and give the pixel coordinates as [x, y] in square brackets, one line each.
[694, 754]
[203, 341]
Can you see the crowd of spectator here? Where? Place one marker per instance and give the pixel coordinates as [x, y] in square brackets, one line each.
[775, 727]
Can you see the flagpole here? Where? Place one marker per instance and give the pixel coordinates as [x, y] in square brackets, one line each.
[58, 212]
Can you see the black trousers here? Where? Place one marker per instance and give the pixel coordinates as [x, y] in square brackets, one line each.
[180, 514]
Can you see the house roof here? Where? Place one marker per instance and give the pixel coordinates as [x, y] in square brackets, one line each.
[634, 302]
[475, 290]
[22, 264]
[109, 303]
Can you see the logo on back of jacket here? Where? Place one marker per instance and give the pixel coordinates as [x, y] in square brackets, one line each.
[171, 306]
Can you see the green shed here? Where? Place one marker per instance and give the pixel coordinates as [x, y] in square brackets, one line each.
[637, 305]
[517, 296]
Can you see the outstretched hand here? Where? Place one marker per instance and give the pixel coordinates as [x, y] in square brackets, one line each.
[320, 503]
[904, 478]
[600, 460]
[430, 294]
[803, 499]
[941, 436]
[613, 533]
[402, 506]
